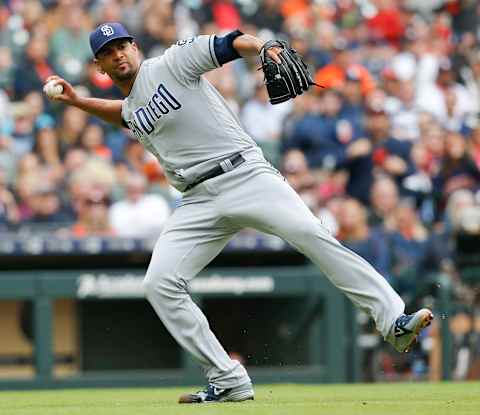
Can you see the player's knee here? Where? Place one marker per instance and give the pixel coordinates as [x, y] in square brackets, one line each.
[148, 286]
[162, 285]
[305, 229]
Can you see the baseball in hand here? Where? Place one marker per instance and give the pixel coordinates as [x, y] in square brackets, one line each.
[52, 89]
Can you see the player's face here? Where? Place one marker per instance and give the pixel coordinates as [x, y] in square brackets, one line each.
[119, 59]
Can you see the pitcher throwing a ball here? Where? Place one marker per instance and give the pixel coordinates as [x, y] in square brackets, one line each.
[227, 185]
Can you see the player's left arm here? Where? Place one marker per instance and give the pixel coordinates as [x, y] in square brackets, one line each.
[188, 59]
[247, 45]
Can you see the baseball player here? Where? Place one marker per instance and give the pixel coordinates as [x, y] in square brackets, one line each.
[227, 185]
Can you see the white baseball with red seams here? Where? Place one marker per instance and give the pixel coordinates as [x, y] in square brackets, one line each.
[52, 89]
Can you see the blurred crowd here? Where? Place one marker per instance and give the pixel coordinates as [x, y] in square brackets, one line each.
[387, 154]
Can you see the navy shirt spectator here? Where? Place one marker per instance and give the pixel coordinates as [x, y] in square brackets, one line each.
[323, 138]
[408, 246]
[354, 232]
[385, 155]
[34, 68]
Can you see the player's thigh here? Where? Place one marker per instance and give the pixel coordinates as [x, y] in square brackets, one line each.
[193, 236]
[267, 203]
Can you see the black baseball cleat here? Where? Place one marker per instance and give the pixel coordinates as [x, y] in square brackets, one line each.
[213, 394]
[406, 328]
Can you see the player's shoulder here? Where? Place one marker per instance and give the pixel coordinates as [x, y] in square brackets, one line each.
[185, 42]
[189, 43]
[150, 62]
[154, 67]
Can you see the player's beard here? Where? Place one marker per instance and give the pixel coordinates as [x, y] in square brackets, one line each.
[123, 76]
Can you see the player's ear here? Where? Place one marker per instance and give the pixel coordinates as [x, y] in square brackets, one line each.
[97, 64]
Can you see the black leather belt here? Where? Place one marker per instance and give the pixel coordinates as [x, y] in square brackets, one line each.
[222, 167]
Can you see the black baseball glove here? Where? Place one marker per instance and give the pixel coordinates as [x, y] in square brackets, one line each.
[288, 79]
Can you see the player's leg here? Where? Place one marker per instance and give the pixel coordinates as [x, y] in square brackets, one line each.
[280, 211]
[192, 238]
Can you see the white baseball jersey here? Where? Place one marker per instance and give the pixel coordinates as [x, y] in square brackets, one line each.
[179, 116]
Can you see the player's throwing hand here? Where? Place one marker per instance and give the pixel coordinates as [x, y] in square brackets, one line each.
[68, 96]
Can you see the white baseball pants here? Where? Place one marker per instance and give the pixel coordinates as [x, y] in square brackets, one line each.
[253, 195]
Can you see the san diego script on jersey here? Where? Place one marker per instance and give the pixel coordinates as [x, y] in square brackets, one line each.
[179, 116]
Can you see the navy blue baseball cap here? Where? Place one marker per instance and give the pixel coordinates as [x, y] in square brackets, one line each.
[105, 33]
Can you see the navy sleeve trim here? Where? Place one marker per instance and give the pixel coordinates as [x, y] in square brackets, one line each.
[223, 47]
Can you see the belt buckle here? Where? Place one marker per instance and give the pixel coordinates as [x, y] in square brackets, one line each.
[227, 165]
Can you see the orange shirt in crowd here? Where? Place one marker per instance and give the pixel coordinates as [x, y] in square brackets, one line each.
[80, 230]
[332, 76]
[292, 7]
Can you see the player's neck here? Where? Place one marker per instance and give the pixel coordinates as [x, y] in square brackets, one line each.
[126, 85]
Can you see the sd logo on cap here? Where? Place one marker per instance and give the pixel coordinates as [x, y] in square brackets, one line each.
[106, 33]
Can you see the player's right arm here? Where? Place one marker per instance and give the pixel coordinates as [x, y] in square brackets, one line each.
[109, 110]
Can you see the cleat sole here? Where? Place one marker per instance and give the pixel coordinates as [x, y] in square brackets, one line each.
[424, 322]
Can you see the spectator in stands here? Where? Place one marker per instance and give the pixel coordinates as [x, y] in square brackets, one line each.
[46, 147]
[458, 170]
[9, 214]
[457, 203]
[69, 45]
[42, 118]
[92, 140]
[108, 11]
[159, 30]
[387, 23]
[6, 68]
[224, 79]
[381, 154]
[157, 182]
[100, 85]
[404, 112]
[73, 123]
[140, 215]
[324, 138]
[74, 160]
[22, 135]
[471, 78]
[225, 14]
[474, 146]
[295, 170]
[268, 16]
[433, 139]
[4, 29]
[447, 100]
[333, 75]
[354, 232]
[34, 67]
[408, 245]
[353, 105]
[47, 212]
[441, 244]
[419, 184]
[262, 120]
[384, 199]
[465, 16]
[7, 155]
[92, 216]
[97, 174]
[134, 155]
